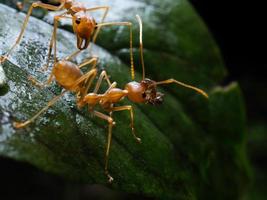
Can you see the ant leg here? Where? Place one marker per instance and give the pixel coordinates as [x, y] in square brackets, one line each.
[39, 84]
[88, 77]
[106, 9]
[129, 24]
[100, 79]
[53, 39]
[88, 82]
[113, 85]
[73, 55]
[91, 60]
[130, 108]
[49, 104]
[34, 5]
[184, 85]
[20, 4]
[111, 124]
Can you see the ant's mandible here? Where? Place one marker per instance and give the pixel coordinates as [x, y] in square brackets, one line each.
[70, 77]
[84, 26]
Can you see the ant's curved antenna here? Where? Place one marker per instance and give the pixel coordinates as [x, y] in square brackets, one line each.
[181, 84]
[141, 44]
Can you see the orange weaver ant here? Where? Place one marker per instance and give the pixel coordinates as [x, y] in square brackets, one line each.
[70, 77]
[84, 26]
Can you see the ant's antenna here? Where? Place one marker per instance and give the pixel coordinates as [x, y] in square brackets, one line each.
[181, 84]
[141, 44]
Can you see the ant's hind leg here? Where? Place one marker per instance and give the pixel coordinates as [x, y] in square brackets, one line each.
[130, 108]
[49, 104]
[111, 123]
[34, 5]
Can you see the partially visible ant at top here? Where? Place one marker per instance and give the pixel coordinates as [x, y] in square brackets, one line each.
[71, 78]
[21, 4]
[84, 26]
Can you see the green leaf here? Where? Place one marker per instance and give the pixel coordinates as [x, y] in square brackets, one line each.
[257, 148]
[191, 147]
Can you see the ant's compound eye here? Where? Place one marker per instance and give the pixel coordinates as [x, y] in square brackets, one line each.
[78, 21]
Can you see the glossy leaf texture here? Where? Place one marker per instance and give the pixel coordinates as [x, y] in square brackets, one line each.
[191, 147]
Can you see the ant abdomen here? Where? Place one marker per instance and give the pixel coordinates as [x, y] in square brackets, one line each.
[66, 74]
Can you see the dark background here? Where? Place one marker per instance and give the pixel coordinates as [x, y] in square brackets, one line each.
[238, 27]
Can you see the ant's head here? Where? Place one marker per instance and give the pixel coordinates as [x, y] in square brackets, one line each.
[144, 92]
[84, 26]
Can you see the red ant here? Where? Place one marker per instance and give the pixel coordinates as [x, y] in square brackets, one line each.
[84, 26]
[70, 77]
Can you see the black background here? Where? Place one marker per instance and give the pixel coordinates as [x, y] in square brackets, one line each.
[239, 29]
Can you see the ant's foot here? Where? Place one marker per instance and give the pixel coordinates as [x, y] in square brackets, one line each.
[43, 69]
[19, 125]
[110, 179]
[135, 137]
[138, 140]
[2, 59]
[35, 82]
[20, 5]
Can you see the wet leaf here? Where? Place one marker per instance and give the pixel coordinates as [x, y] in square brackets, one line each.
[191, 147]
